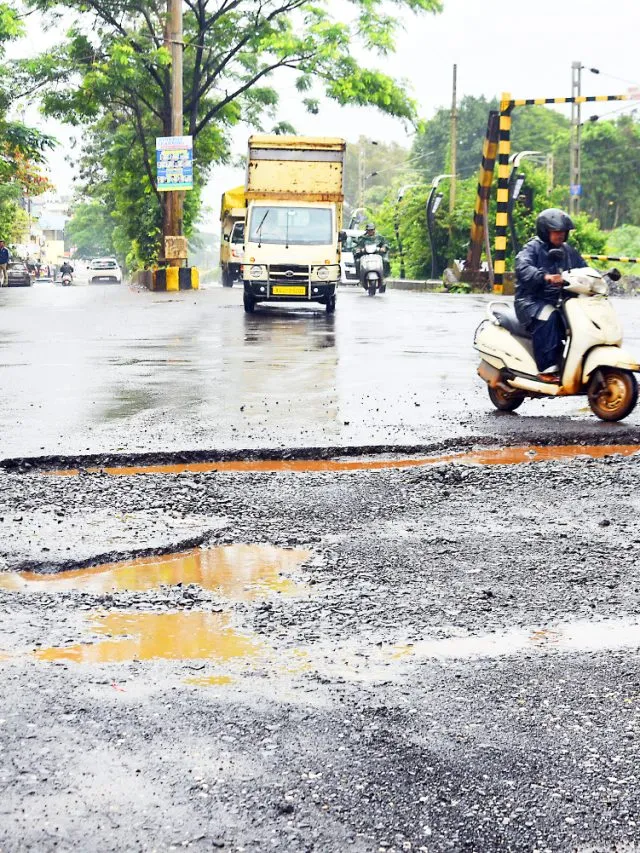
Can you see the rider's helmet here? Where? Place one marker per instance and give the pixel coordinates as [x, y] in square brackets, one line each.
[370, 229]
[553, 219]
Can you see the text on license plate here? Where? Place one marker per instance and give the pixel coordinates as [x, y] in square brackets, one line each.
[289, 290]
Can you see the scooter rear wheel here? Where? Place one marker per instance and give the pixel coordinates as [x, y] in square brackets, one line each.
[504, 401]
[613, 393]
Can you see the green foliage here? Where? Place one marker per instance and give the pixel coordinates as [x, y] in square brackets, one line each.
[90, 230]
[112, 77]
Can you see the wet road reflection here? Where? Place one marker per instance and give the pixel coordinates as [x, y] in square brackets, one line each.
[108, 368]
[151, 636]
[236, 572]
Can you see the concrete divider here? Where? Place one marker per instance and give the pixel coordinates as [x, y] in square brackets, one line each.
[431, 285]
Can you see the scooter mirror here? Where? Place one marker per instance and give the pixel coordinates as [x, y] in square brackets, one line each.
[614, 274]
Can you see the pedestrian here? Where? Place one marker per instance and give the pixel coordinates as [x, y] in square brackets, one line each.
[4, 263]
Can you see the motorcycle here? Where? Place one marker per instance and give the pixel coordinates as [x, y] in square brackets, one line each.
[593, 361]
[372, 269]
[67, 279]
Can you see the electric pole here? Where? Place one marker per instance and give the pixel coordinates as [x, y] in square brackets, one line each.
[576, 133]
[454, 141]
[175, 198]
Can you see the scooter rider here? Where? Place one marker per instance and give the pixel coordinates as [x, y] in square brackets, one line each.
[537, 281]
[367, 239]
[66, 268]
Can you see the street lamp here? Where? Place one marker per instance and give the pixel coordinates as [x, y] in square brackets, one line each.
[516, 182]
[433, 203]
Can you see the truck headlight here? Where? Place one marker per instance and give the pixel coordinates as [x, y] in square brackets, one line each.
[322, 273]
[257, 271]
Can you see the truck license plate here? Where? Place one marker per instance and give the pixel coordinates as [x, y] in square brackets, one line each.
[289, 290]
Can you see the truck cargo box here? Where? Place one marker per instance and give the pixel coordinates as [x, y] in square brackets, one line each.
[295, 168]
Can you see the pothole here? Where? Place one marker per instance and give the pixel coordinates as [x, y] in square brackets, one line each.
[499, 456]
[236, 572]
[193, 635]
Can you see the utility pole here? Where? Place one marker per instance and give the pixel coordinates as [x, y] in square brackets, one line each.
[454, 140]
[550, 173]
[361, 173]
[576, 133]
[175, 198]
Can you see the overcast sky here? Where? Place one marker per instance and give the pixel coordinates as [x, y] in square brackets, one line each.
[525, 48]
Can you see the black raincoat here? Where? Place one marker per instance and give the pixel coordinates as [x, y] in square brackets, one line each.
[532, 291]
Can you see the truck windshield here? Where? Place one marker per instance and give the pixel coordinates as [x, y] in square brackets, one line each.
[292, 226]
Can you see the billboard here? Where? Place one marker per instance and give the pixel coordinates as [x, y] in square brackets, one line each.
[174, 163]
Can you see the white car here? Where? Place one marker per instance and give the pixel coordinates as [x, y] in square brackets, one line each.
[348, 274]
[104, 269]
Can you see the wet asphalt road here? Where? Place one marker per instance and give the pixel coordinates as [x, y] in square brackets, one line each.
[105, 367]
[452, 663]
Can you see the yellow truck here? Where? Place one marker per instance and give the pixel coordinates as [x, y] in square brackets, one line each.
[294, 194]
[233, 213]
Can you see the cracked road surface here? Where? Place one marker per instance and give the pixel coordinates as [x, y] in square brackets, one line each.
[434, 658]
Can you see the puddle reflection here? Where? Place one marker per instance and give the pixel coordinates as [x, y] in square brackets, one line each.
[154, 636]
[236, 572]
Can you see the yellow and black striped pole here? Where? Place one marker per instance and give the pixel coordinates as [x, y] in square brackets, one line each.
[502, 215]
[621, 259]
[485, 180]
[507, 104]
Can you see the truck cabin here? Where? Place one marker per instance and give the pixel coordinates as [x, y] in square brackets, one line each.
[291, 225]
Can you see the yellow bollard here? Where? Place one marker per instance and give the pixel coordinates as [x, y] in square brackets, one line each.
[173, 278]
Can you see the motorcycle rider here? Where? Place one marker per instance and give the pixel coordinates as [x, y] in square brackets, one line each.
[537, 281]
[66, 268]
[370, 236]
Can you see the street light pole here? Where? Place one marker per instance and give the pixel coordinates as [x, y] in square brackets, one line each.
[433, 203]
[576, 133]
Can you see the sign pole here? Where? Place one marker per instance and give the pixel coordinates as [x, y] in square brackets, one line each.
[176, 197]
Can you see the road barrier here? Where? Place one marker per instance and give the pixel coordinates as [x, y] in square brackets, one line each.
[507, 105]
[176, 278]
[621, 259]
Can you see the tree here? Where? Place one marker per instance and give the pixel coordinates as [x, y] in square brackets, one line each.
[90, 230]
[112, 75]
[383, 163]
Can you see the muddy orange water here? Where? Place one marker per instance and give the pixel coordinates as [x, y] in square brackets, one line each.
[236, 572]
[501, 456]
[151, 636]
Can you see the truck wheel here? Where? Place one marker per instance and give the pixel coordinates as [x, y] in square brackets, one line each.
[613, 393]
[331, 305]
[503, 401]
[249, 304]
[227, 280]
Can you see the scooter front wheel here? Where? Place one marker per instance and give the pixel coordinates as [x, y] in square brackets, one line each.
[613, 393]
[504, 401]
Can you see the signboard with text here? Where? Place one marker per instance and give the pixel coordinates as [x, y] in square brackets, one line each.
[174, 163]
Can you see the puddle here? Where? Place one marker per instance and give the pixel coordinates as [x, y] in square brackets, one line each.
[158, 636]
[209, 680]
[501, 456]
[575, 636]
[236, 572]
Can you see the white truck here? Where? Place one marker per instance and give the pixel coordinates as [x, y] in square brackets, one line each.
[294, 193]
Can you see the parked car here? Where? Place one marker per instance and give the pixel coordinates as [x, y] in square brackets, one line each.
[104, 269]
[348, 274]
[18, 275]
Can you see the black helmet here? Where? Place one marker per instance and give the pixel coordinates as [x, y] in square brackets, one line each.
[553, 219]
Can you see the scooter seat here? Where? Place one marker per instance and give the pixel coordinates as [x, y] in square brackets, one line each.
[508, 320]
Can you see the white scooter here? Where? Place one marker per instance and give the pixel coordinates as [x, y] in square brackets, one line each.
[372, 269]
[67, 279]
[593, 361]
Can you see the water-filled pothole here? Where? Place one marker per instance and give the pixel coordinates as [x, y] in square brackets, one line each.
[499, 456]
[189, 635]
[236, 572]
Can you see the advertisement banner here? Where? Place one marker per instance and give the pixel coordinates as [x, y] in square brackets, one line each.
[174, 163]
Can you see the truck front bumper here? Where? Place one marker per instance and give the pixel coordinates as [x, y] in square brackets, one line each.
[314, 291]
